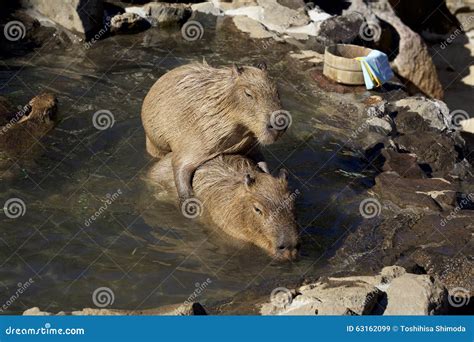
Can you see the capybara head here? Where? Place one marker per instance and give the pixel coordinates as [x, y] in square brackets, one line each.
[256, 96]
[262, 213]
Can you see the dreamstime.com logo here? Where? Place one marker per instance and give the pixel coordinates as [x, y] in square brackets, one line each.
[103, 119]
[458, 297]
[281, 119]
[46, 330]
[109, 199]
[14, 30]
[191, 208]
[370, 208]
[14, 208]
[281, 297]
[21, 288]
[457, 117]
[103, 296]
[192, 31]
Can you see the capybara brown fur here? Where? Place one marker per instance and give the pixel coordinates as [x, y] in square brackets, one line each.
[23, 129]
[246, 203]
[198, 112]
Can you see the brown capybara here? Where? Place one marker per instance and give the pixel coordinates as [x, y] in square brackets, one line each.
[237, 197]
[22, 130]
[198, 112]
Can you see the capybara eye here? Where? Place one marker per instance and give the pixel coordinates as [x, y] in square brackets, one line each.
[257, 210]
[247, 93]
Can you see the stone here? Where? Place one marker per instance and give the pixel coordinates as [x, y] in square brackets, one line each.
[332, 297]
[404, 164]
[413, 294]
[434, 112]
[84, 17]
[430, 194]
[308, 56]
[162, 14]
[185, 309]
[339, 29]
[380, 125]
[128, 23]
[413, 61]
[252, 27]
[468, 125]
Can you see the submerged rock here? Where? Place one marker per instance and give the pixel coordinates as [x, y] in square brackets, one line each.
[128, 23]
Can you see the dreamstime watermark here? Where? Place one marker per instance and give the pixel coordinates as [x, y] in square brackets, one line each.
[14, 208]
[281, 119]
[46, 330]
[109, 199]
[22, 110]
[191, 208]
[99, 34]
[456, 33]
[284, 204]
[103, 296]
[21, 288]
[103, 119]
[370, 31]
[457, 117]
[192, 30]
[458, 297]
[14, 30]
[199, 289]
[461, 205]
[370, 208]
[281, 297]
[373, 112]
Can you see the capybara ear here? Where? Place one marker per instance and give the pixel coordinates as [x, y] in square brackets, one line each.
[283, 174]
[236, 70]
[262, 66]
[248, 180]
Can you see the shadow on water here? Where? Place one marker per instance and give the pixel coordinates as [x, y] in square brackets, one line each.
[141, 248]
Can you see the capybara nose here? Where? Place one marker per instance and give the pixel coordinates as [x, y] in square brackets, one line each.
[287, 252]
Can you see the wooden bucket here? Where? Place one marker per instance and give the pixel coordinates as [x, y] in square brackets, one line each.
[340, 65]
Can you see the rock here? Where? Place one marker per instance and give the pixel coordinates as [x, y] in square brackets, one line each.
[380, 125]
[431, 194]
[340, 29]
[162, 14]
[413, 61]
[412, 294]
[207, 8]
[27, 126]
[128, 23]
[308, 56]
[404, 164]
[84, 17]
[252, 27]
[434, 112]
[468, 126]
[434, 149]
[272, 15]
[331, 297]
[185, 309]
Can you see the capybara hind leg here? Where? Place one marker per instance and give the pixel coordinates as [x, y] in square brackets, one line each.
[183, 171]
[155, 151]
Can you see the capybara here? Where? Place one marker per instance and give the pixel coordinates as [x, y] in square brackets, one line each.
[246, 203]
[22, 129]
[198, 112]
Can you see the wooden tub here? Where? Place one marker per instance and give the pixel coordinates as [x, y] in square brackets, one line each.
[340, 65]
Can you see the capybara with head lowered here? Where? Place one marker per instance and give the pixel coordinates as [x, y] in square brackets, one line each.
[243, 201]
[198, 112]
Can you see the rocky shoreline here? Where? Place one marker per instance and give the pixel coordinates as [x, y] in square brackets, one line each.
[418, 216]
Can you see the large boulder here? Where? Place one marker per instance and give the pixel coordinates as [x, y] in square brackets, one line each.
[84, 17]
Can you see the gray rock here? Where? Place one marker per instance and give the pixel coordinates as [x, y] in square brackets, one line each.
[80, 16]
[412, 294]
[434, 112]
[162, 14]
[252, 27]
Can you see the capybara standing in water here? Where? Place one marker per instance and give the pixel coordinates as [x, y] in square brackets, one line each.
[243, 201]
[198, 112]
